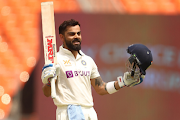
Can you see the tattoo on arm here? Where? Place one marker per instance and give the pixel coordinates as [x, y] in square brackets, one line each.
[99, 82]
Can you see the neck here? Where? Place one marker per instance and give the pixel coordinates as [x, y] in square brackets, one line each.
[72, 51]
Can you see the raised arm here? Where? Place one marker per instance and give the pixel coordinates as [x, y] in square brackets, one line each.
[103, 88]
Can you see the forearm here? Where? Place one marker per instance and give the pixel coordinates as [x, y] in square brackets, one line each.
[103, 90]
[46, 90]
[101, 87]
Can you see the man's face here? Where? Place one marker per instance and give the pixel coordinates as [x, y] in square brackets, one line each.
[72, 38]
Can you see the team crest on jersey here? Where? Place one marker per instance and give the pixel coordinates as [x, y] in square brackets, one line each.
[83, 62]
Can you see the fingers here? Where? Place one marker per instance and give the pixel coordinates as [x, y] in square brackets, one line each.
[49, 71]
[57, 69]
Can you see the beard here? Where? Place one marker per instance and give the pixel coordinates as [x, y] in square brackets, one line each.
[71, 46]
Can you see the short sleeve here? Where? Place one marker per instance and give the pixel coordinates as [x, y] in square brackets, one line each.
[94, 72]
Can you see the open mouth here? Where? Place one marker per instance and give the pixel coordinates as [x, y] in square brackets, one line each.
[76, 42]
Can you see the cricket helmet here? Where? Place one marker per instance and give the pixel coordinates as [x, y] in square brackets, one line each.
[141, 56]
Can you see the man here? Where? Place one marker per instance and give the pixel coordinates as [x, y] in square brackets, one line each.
[76, 73]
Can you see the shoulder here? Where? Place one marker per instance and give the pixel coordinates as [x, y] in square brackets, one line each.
[60, 55]
[87, 57]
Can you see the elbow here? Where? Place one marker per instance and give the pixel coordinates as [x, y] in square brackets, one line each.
[100, 92]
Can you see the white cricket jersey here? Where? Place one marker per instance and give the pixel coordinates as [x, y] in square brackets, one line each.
[73, 85]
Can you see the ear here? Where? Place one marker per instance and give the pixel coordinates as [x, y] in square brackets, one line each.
[61, 37]
[63, 40]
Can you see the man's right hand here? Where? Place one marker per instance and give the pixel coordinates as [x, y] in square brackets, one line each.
[49, 71]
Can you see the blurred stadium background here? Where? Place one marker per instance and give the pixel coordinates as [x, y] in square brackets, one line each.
[108, 27]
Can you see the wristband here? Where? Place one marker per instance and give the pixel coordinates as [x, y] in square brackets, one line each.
[110, 87]
[49, 65]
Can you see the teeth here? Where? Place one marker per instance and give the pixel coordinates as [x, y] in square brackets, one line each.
[76, 42]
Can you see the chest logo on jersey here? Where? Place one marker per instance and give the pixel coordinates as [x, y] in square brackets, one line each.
[71, 73]
[83, 62]
[67, 62]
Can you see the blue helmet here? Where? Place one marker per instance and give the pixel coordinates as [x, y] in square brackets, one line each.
[141, 56]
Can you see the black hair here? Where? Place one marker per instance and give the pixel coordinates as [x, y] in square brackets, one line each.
[65, 24]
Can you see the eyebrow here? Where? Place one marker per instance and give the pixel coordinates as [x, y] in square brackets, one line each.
[74, 32]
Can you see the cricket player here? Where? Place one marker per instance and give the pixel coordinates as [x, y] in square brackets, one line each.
[77, 72]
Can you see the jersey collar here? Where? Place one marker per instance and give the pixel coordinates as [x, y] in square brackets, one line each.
[66, 51]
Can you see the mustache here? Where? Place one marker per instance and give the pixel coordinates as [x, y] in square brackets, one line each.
[76, 40]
